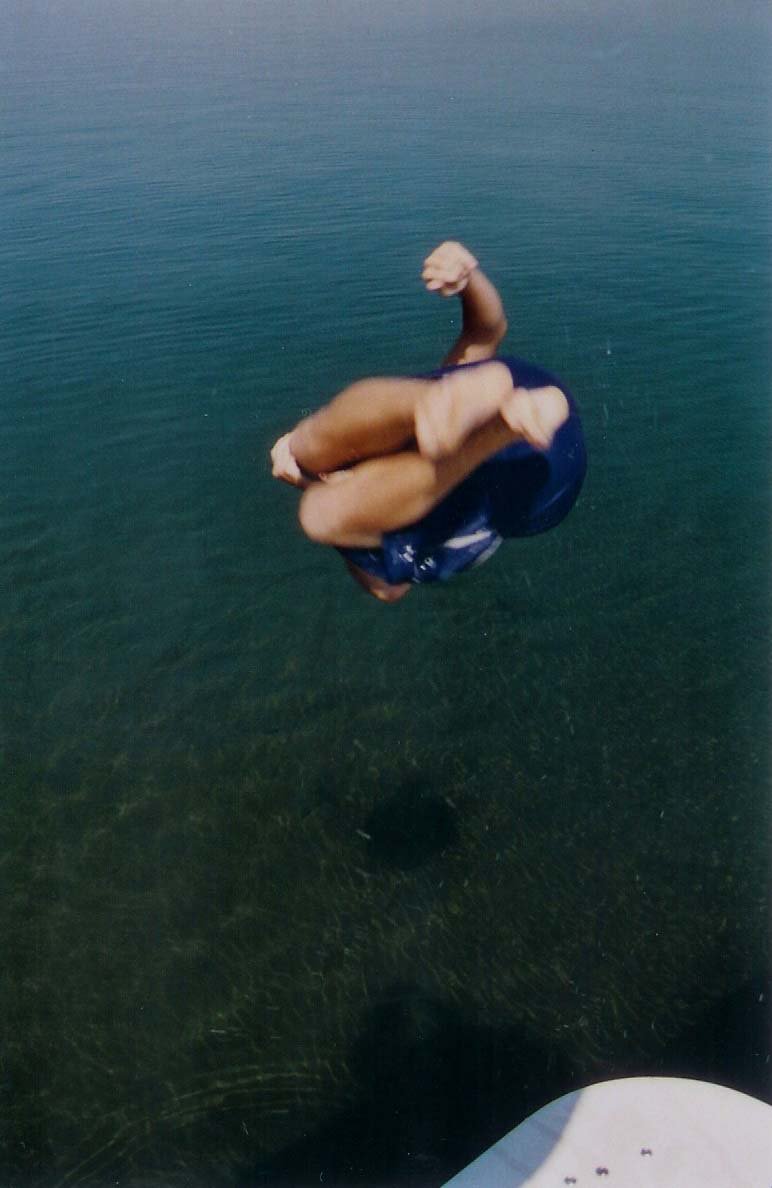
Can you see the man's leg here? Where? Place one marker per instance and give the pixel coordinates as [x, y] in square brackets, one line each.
[378, 416]
[366, 420]
[375, 417]
[457, 404]
[386, 493]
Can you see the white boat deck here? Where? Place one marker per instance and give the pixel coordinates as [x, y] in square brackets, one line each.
[643, 1132]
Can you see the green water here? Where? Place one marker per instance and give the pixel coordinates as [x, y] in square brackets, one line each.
[298, 885]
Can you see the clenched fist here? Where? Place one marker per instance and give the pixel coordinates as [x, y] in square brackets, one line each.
[448, 269]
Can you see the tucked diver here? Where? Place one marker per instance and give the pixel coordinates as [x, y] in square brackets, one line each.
[414, 480]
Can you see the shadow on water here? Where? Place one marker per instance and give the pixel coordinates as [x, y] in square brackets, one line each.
[434, 1091]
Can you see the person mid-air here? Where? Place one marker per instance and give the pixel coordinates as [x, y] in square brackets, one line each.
[414, 480]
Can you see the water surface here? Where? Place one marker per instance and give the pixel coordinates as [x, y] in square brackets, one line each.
[295, 884]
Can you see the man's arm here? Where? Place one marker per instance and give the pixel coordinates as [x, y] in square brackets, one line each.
[452, 270]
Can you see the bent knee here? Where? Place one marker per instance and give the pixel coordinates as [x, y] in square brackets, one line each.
[327, 518]
[315, 518]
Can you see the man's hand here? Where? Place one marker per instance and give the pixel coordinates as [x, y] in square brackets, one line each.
[284, 466]
[448, 269]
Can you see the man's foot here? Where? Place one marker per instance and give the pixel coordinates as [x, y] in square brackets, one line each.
[457, 403]
[535, 414]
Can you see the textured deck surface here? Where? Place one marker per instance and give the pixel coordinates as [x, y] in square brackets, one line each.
[644, 1132]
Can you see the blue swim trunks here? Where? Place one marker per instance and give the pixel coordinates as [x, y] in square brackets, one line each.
[519, 491]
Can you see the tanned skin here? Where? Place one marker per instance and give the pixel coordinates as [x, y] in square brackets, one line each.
[385, 451]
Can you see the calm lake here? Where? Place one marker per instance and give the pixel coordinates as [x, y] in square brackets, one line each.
[296, 887]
